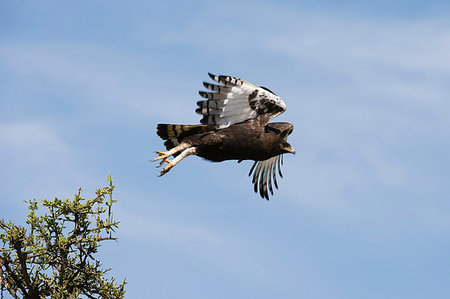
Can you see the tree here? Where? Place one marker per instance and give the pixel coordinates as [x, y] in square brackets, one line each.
[54, 256]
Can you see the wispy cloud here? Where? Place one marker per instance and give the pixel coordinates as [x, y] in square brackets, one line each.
[127, 87]
[36, 160]
[150, 228]
[163, 217]
[36, 141]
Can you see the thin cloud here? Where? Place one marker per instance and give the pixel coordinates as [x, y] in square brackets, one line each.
[113, 81]
[36, 141]
[152, 228]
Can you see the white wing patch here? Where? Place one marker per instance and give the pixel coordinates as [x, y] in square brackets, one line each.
[264, 172]
[236, 100]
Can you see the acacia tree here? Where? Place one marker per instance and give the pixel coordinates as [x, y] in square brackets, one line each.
[54, 256]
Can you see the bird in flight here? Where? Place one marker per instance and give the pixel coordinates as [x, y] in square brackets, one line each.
[235, 126]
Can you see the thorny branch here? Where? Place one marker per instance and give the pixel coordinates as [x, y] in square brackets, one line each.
[52, 260]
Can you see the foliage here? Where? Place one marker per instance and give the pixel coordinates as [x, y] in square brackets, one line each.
[54, 256]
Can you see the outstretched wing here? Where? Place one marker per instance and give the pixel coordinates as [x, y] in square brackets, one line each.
[236, 100]
[264, 172]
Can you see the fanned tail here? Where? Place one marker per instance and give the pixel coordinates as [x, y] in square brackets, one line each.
[173, 134]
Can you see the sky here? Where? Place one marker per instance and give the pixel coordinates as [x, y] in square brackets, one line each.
[363, 208]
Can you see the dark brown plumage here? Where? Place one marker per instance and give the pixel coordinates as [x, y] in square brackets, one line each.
[235, 126]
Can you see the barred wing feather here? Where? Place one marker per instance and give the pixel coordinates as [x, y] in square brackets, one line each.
[263, 174]
[235, 100]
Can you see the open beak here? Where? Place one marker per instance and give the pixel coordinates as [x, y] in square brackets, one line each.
[289, 149]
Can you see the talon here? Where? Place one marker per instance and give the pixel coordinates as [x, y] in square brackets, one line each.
[166, 168]
[162, 162]
[162, 155]
[179, 152]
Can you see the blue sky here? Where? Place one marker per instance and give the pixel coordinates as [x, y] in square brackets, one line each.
[363, 208]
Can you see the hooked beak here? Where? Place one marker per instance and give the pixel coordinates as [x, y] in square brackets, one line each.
[289, 149]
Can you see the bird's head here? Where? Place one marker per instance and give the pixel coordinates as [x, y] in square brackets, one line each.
[285, 146]
[282, 130]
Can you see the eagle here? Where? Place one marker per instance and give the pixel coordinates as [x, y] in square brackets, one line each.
[235, 126]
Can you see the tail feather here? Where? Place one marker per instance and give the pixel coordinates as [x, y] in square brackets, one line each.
[173, 134]
[166, 131]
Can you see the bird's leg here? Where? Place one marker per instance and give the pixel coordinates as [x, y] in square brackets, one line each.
[171, 163]
[163, 156]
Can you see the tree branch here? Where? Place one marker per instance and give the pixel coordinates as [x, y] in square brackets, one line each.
[23, 266]
[17, 281]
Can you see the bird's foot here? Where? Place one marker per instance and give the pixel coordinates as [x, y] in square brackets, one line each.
[162, 156]
[162, 162]
[166, 168]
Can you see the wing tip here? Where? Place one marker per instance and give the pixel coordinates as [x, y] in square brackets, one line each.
[204, 94]
[212, 76]
[264, 174]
